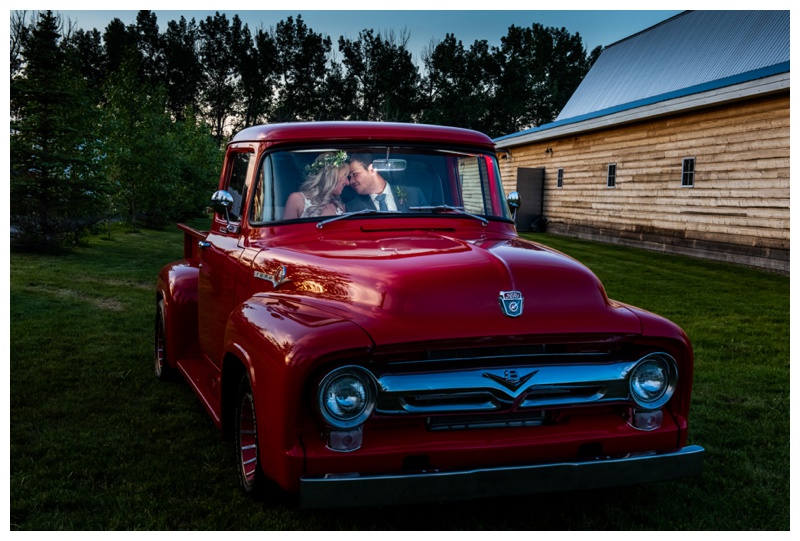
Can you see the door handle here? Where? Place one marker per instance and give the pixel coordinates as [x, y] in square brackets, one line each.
[203, 244]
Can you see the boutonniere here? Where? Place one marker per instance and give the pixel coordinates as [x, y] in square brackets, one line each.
[401, 195]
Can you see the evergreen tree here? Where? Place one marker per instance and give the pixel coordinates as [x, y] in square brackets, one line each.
[19, 33]
[57, 191]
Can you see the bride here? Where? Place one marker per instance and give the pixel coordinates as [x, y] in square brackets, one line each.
[320, 194]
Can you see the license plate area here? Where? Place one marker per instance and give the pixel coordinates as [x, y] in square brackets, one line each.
[501, 420]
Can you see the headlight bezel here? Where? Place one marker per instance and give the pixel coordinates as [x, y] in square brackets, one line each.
[345, 420]
[668, 367]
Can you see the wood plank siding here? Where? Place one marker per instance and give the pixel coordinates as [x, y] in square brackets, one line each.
[737, 211]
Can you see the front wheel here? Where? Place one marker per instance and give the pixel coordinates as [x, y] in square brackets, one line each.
[251, 476]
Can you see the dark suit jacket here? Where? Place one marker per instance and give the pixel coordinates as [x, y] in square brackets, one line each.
[404, 196]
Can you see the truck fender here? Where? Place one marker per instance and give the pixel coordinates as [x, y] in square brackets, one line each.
[281, 343]
[177, 287]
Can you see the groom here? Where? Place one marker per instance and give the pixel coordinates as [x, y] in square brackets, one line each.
[374, 192]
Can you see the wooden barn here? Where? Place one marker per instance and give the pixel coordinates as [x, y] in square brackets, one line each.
[677, 140]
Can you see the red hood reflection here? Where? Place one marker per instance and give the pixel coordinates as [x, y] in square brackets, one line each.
[432, 286]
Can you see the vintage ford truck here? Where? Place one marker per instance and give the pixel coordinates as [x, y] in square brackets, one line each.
[364, 352]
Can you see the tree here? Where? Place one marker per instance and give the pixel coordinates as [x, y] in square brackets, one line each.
[340, 94]
[57, 191]
[302, 57]
[257, 64]
[86, 49]
[183, 72]
[142, 163]
[118, 41]
[19, 33]
[218, 41]
[198, 168]
[387, 81]
[150, 44]
[457, 93]
[540, 68]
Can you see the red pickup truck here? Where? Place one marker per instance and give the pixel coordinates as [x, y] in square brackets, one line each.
[362, 319]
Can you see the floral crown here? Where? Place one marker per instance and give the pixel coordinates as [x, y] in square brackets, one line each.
[335, 160]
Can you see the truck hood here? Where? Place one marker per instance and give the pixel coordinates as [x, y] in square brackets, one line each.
[429, 286]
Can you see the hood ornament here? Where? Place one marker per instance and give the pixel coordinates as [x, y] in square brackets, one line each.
[277, 279]
[511, 303]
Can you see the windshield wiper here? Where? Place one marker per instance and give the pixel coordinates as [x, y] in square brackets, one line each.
[458, 210]
[348, 214]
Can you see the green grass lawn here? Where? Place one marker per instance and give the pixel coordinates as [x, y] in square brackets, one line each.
[98, 443]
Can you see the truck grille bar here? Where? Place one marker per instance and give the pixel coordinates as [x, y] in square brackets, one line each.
[513, 388]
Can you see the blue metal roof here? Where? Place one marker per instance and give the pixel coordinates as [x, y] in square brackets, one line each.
[689, 50]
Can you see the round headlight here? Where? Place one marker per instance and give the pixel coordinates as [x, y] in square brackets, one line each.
[652, 380]
[347, 396]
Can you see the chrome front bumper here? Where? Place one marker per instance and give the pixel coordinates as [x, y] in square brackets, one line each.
[372, 490]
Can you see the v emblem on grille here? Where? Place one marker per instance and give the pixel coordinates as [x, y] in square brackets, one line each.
[512, 378]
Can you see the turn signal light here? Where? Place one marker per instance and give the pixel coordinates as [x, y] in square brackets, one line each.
[645, 419]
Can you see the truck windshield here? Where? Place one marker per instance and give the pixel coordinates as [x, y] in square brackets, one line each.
[317, 184]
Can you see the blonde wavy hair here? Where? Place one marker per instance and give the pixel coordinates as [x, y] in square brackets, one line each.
[323, 176]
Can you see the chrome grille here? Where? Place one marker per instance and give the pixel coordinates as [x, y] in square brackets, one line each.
[503, 389]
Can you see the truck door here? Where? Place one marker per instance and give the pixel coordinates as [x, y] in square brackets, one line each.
[220, 254]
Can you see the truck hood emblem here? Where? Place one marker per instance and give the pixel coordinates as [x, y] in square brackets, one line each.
[511, 303]
[277, 279]
[511, 378]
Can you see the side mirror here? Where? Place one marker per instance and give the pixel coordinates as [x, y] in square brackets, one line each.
[513, 203]
[222, 202]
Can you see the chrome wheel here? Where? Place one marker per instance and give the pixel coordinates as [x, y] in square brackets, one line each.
[248, 441]
[250, 476]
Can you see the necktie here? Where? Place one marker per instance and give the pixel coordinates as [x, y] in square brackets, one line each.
[381, 199]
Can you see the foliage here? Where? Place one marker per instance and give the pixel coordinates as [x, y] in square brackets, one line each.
[160, 169]
[217, 45]
[234, 78]
[386, 80]
[183, 73]
[96, 113]
[57, 190]
[97, 443]
[302, 57]
[458, 88]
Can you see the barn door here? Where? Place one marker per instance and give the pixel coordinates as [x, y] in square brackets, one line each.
[530, 185]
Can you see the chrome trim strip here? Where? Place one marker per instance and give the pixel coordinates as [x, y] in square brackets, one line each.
[354, 490]
[498, 358]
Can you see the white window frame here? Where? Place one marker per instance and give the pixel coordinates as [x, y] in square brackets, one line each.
[688, 174]
[611, 179]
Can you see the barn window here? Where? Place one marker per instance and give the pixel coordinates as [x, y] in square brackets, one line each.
[611, 180]
[560, 179]
[687, 179]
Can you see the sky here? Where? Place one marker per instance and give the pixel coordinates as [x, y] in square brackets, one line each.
[428, 21]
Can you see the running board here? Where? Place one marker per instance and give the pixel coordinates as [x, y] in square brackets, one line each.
[204, 378]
